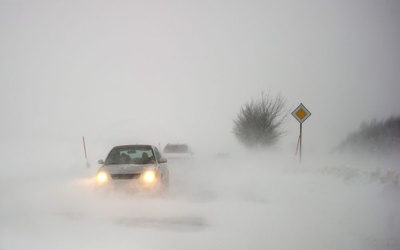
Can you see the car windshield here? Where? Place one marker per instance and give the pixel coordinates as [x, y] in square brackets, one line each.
[177, 148]
[135, 154]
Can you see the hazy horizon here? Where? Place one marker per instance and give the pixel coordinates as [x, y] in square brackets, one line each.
[180, 71]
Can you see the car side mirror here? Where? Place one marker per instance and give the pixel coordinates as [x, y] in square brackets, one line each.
[162, 160]
[100, 162]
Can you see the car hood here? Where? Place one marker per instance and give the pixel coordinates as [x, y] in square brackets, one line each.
[126, 168]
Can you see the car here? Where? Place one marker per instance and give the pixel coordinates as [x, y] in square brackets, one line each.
[138, 167]
[179, 153]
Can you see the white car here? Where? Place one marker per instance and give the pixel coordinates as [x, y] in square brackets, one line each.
[178, 153]
[133, 167]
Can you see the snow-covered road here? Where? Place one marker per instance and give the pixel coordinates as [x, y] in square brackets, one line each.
[219, 205]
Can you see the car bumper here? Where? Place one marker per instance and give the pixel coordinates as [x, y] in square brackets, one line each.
[129, 185]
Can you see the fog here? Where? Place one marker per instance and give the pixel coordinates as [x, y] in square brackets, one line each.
[161, 71]
[127, 72]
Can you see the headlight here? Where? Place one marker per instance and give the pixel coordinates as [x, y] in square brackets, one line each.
[149, 176]
[102, 177]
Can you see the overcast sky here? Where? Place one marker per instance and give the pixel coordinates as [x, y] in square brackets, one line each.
[169, 71]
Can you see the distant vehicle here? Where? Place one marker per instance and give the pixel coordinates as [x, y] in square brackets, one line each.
[178, 153]
[133, 166]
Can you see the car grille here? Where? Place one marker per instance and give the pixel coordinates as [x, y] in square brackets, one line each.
[124, 176]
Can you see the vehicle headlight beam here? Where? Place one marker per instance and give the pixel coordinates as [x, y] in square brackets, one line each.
[149, 176]
[102, 177]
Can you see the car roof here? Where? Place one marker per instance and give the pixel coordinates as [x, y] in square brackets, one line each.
[134, 145]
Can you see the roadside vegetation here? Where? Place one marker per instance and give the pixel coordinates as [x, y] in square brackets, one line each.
[259, 122]
[374, 138]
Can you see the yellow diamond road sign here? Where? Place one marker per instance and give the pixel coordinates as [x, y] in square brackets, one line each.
[301, 113]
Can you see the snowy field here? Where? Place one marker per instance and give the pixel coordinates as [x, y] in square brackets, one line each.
[266, 203]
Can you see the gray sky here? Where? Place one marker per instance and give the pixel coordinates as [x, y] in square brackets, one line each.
[163, 71]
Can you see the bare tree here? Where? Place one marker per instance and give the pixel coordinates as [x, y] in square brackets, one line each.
[258, 124]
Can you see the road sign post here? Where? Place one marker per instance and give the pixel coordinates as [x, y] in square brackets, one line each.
[301, 114]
